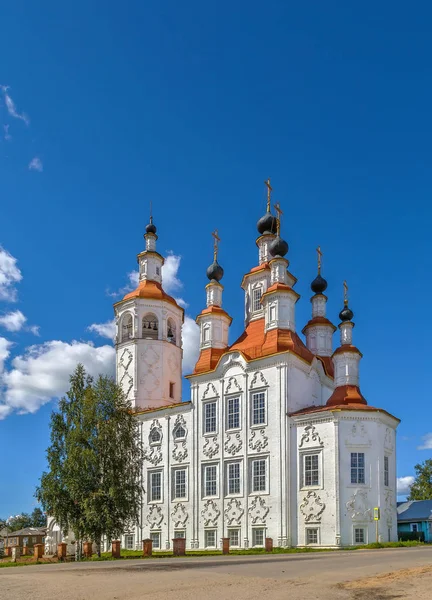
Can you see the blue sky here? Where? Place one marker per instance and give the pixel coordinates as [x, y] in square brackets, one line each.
[192, 105]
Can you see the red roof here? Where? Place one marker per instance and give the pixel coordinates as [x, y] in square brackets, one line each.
[153, 290]
[318, 321]
[357, 407]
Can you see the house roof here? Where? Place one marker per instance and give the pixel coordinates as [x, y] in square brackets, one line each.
[28, 531]
[415, 510]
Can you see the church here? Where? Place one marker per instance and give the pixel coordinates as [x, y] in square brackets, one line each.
[277, 440]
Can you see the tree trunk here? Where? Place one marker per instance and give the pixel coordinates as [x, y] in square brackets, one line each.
[98, 547]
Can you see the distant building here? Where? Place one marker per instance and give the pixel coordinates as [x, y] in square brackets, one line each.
[416, 516]
[29, 536]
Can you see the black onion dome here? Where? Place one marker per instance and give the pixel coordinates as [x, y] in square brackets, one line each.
[215, 271]
[319, 285]
[267, 224]
[151, 228]
[278, 247]
[346, 314]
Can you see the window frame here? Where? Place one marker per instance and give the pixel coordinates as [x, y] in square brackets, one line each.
[254, 533]
[126, 538]
[205, 480]
[365, 532]
[386, 470]
[181, 437]
[257, 289]
[303, 456]
[151, 441]
[175, 472]
[205, 407]
[254, 460]
[150, 474]
[177, 531]
[228, 401]
[357, 469]
[238, 531]
[308, 530]
[252, 408]
[171, 390]
[154, 534]
[229, 464]
[206, 533]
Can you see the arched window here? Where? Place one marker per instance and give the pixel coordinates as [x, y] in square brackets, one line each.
[150, 327]
[127, 328]
[171, 331]
[155, 436]
[179, 432]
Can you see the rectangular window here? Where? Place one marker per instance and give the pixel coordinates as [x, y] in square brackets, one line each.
[414, 527]
[311, 536]
[129, 542]
[386, 471]
[155, 486]
[155, 538]
[357, 467]
[210, 538]
[180, 483]
[233, 477]
[234, 537]
[259, 475]
[359, 535]
[210, 417]
[233, 413]
[258, 409]
[256, 300]
[310, 470]
[210, 480]
[34, 539]
[171, 390]
[257, 537]
[180, 533]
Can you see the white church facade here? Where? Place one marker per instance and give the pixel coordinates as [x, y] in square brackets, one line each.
[277, 440]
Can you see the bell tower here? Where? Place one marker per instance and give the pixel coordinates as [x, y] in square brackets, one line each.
[148, 335]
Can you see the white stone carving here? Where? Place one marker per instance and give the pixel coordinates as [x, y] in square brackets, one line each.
[126, 382]
[155, 426]
[155, 516]
[312, 507]
[210, 391]
[389, 507]
[153, 455]
[233, 512]
[258, 441]
[358, 435]
[211, 447]
[258, 380]
[233, 386]
[358, 506]
[179, 515]
[233, 446]
[180, 452]
[180, 422]
[126, 359]
[389, 440]
[310, 437]
[210, 513]
[258, 510]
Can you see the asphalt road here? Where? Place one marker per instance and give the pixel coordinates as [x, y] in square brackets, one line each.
[292, 576]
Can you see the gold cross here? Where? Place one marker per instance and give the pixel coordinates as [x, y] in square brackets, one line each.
[216, 243]
[278, 218]
[345, 285]
[319, 253]
[269, 191]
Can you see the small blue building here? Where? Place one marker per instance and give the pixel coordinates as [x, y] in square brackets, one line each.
[416, 515]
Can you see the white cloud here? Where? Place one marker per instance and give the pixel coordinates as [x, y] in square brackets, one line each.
[7, 136]
[191, 337]
[427, 442]
[404, 484]
[106, 330]
[9, 275]
[170, 269]
[36, 164]
[34, 329]
[10, 106]
[4, 352]
[42, 373]
[13, 321]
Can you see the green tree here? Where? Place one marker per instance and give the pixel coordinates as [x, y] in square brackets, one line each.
[38, 519]
[421, 489]
[19, 522]
[93, 486]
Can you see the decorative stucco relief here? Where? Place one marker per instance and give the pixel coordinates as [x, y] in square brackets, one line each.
[258, 510]
[358, 506]
[233, 386]
[210, 391]
[126, 359]
[155, 427]
[312, 507]
[234, 512]
[258, 441]
[180, 422]
[155, 516]
[233, 446]
[179, 515]
[153, 455]
[258, 380]
[389, 507]
[389, 440]
[310, 437]
[358, 435]
[210, 513]
[180, 452]
[211, 447]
